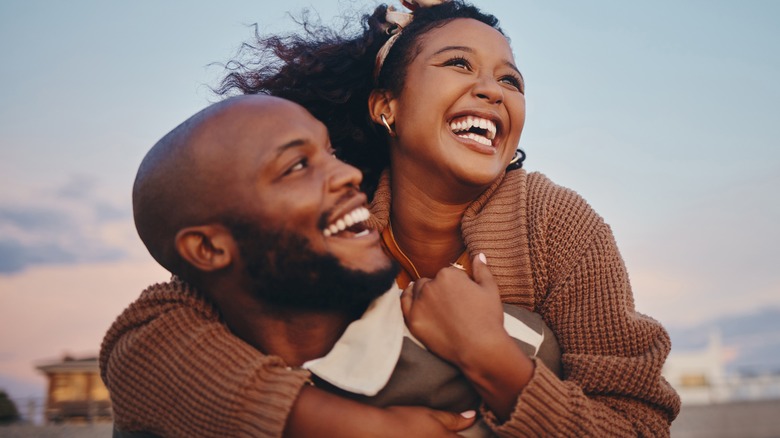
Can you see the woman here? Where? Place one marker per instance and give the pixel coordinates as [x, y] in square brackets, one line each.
[445, 113]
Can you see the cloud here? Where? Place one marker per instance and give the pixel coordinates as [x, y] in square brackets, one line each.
[48, 311]
[75, 222]
[752, 339]
[15, 257]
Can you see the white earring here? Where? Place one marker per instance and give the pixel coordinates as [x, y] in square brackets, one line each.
[387, 125]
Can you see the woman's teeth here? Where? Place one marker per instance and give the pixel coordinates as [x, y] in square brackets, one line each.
[478, 138]
[481, 130]
[355, 216]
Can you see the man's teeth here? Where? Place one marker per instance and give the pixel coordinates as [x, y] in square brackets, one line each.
[461, 125]
[355, 216]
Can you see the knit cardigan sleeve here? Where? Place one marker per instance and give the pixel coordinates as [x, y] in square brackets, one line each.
[612, 356]
[175, 370]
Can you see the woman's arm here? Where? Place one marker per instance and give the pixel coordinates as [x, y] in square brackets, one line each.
[174, 369]
[461, 321]
[612, 356]
[321, 414]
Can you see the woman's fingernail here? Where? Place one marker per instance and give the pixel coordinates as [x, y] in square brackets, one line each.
[468, 414]
[482, 258]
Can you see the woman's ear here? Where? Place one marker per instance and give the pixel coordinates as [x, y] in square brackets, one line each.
[206, 247]
[381, 102]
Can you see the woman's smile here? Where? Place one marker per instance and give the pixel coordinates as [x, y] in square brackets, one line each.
[463, 80]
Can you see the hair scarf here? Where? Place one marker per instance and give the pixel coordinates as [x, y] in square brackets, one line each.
[396, 21]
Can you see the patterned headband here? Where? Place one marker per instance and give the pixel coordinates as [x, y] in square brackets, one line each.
[397, 21]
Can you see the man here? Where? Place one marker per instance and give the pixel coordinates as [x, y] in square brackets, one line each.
[266, 233]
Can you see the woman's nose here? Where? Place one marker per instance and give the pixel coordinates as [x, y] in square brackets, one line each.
[488, 89]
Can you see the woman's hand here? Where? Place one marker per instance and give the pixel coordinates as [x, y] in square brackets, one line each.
[461, 321]
[454, 315]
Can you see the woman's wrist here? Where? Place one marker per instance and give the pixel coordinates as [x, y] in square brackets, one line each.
[478, 355]
[499, 370]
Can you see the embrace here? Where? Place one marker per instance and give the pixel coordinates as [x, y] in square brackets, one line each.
[357, 251]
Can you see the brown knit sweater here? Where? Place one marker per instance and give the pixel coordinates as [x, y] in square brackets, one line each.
[173, 368]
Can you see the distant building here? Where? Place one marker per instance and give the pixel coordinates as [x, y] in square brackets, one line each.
[76, 393]
[699, 377]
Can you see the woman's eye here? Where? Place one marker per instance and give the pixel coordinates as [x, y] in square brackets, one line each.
[459, 62]
[513, 81]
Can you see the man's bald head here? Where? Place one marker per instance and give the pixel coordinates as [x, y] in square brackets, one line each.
[183, 179]
[246, 202]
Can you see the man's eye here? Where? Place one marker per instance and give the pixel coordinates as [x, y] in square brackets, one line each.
[299, 165]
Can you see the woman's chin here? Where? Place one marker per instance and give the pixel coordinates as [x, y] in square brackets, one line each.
[480, 176]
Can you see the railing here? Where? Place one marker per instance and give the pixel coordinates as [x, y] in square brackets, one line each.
[33, 410]
[731, 389]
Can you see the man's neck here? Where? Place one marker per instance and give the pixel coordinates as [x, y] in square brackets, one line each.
[296, 336]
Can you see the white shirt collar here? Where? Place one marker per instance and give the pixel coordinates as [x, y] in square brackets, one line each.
[364, 358]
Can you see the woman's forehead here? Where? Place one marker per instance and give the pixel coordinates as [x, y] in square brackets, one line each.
[465, 32]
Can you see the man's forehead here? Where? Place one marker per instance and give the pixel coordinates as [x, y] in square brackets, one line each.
[259, 142]
[271, 124]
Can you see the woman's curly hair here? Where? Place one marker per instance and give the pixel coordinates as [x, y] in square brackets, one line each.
[332, 75]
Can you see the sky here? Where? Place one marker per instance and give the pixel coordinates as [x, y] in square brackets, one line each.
[661, 114]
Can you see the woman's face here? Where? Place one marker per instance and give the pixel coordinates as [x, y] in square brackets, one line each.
[459, 117]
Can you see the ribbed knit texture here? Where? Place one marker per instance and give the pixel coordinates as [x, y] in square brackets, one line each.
[174, 369]
[551, 253]
[171, 363]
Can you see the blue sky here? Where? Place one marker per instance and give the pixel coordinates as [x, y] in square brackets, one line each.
[661, 114]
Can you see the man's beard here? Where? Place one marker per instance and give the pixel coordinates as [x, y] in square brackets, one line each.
[284, 271]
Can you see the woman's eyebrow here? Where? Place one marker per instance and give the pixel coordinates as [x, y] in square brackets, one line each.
[451, 48]
[511, 65]
[467, 49]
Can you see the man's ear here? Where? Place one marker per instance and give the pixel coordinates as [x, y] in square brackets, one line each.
[381, 102]
[206, 247]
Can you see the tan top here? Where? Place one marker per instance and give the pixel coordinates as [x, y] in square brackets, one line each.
[170, 362]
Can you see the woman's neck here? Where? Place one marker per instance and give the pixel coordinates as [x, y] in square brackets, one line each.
[426, 229]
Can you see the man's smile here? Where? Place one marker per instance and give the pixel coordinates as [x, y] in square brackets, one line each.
[350, 224]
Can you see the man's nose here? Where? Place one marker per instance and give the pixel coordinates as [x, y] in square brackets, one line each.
[342, 174]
